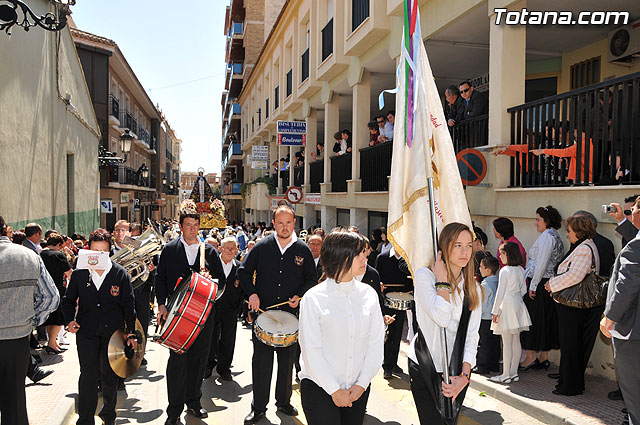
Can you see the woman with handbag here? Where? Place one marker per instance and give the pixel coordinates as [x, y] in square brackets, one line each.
[579, 304]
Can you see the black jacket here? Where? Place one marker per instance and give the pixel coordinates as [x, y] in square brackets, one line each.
[606, 254]
[100, 312]
[231, 299]
[278, 277]
[173, 264]
[478, 105]
[627, 230]
[372, 278]
[456, 111]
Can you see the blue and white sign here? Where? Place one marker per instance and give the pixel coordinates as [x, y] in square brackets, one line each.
[292, 133]
[106, 206]
[292, 127]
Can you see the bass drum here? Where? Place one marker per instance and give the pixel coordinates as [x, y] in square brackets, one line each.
[189, 308]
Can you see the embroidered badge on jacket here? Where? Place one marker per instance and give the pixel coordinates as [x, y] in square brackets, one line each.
[115, 290]
[299, 260]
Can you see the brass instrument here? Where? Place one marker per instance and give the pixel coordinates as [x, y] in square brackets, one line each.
[137, 254]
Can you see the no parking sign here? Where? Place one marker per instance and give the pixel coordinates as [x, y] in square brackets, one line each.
[472, 166]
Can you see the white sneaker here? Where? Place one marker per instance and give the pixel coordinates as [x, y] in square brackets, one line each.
[501, 379]
[515, 378]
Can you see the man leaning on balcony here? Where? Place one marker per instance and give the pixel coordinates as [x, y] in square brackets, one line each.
[475, 103]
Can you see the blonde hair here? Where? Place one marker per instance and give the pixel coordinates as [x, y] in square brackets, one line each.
[446, 241]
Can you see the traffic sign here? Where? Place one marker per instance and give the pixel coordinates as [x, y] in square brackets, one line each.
[106, 206]
[294, 194]
[472, 166]
[136, 204]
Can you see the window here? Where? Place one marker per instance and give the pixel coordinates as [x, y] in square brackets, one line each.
[266, 109]
[276, 97]
[289, 83]
[327, 40]
[585, 73]
[359, 12]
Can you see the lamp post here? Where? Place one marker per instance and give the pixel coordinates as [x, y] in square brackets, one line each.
[125, 143]
[16, 12]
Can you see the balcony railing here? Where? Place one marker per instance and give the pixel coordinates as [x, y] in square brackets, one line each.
[327, 39]
[375, 167]
[145, 136]
[236, 28]
[236, 108]
[605, 115]
[316, 175]
[298, 175]
[340, 172]
[169, 156]
[289, 83]
[236, 68]
[359, 12]
[115, 106]
[305, 66]
[470, 133]
[126, 175]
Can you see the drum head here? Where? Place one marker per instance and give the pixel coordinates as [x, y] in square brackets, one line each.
[286, 323]
[400, 296]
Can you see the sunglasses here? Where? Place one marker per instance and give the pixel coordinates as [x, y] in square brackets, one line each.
[380, 122]
[626, 212]
[465, 90]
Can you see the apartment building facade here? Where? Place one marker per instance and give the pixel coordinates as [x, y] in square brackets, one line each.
[547, 86]
[247, 25]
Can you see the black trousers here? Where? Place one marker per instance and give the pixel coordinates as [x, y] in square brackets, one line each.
[186, 371]
[488, 348]
[92, 356]
[143, 310]
[14, 362]
[223, 342]
[262, 369]
[319, 408]
[578, 331]
[427, 411]
[394, 336]
[626, 360]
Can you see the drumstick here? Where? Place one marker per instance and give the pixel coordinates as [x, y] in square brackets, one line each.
[267, 314]
[279, 304]
[393, 284]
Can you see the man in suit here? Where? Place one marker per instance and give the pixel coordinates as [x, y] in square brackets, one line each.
[33, 232]
[454, 108]
[315, 245]
[387, 265]
[475, 103]
[627, 227]
[185, 371]
[622, 321]
[225, 318]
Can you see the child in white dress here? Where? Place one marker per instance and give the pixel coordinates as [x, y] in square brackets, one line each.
[509, 314]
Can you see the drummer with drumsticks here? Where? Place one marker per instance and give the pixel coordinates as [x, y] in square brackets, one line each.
[103, 296]
[394, 279]
[285, 270]
[179, 258]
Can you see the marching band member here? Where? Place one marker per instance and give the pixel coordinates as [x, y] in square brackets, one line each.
[341, 335]
[225, 316]
[446, 295]
[179, 258]
[284, 272]
[104, 298]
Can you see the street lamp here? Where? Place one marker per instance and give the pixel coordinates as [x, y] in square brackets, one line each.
[125, 142]
[164, 180]
[16, 12]
[145, 171]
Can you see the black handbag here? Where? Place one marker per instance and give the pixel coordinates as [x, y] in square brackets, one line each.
[590, 292]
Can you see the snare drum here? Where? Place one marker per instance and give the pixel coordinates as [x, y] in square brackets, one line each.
[276, 334]
[398, 300]
[189, 307]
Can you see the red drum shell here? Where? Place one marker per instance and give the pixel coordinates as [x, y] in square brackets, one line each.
[189, 307]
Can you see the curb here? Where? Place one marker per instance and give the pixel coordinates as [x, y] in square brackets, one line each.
[64, 412]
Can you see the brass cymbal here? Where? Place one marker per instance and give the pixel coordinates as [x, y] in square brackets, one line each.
[124, 361]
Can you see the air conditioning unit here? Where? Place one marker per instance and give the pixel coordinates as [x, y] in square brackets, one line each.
[624, 42]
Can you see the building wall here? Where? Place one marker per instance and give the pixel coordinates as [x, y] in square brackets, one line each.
[39, 136]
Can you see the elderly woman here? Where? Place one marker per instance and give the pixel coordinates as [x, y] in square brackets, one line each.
[544, 256]
[578, 326]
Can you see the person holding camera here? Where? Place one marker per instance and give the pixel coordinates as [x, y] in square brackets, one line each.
[627, 226]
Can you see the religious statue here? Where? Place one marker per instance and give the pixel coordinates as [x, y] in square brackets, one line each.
[211, 210]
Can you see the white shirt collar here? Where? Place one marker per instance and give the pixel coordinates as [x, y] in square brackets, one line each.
[226, 267]
[36, 246]
[344, 287]
[393, 253]
[316, 260]
[99, 280]
[294, 238]
[190, 250]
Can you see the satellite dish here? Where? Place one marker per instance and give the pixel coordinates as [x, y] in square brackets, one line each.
[619, 42]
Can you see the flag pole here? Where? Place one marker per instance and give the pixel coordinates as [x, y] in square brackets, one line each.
[443, 332]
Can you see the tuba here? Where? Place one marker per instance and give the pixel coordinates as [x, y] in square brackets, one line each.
[137, 254]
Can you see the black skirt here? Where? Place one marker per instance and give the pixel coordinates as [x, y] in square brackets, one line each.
[56, 318]
[543, 335]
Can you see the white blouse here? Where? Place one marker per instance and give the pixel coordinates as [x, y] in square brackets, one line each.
[434, 312]
[341, 335]
[511, 287]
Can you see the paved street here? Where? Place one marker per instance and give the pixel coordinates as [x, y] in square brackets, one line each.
[390, 402]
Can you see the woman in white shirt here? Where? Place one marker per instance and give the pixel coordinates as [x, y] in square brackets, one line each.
[446, 295]
[341, 335]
